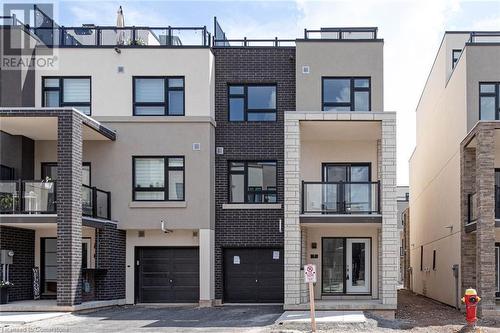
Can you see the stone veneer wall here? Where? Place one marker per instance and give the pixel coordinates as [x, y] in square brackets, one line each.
[294, 286]
[478, 251]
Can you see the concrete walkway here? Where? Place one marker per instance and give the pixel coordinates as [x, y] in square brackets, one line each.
[26, 317]
[322, 317]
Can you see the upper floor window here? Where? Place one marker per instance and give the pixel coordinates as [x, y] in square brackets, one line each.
[158, 178]
[489, 106]
[70, 91]
[455, 54]
[252, 182]
[252, 102]
[346, 94]
[158, 96]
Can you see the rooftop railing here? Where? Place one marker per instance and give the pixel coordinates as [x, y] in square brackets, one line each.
[39, 197]
[484, 37]
[111, 36]
[248, 42]
[341, 33]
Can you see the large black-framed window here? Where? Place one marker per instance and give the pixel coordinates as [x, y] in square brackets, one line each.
[67, 91]
[252, 102]
[252, 182]
[346, 93]
[7, 173]
[455, 55]
[489, 104]
[158, 178]
[158, 96]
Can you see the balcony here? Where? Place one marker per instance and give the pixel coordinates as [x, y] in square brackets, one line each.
[341, 198]
[39, 197]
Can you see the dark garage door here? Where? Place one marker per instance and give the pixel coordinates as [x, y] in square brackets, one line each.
[167, 275]
[253, 275]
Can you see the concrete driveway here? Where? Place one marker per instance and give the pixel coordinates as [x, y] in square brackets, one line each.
[160, 319]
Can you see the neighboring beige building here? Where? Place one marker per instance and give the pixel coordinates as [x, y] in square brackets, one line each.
[403, 197]
[454, 167]
[340, 177]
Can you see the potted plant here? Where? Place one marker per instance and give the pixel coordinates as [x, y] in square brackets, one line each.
[4, 291]
[47, 183]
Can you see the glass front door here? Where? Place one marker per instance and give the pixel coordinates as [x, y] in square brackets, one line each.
[358, 266]
[346, 266]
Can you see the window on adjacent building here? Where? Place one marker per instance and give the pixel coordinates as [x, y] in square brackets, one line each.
[455, 55]
[489, 107]
[434, 260]
[67, 91]
[252, 102]
[346, 94]
[252, 182]
[158, 178]
[158, 96]
[421, 258]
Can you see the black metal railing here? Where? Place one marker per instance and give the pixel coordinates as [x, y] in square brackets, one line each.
[40, 197]
[249, 42]
[340, 197]
[109, 36]
[484, 37]
[341, 33]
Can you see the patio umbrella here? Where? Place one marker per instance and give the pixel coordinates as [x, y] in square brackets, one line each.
[120, 24]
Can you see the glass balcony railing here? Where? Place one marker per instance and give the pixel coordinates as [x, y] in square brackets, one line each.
[86, 36]
[39, 197]
[341, 33]
[340, 197]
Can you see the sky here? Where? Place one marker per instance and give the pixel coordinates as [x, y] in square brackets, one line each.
[412, 32]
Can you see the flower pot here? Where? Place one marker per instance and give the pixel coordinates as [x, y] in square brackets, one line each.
[4, 295]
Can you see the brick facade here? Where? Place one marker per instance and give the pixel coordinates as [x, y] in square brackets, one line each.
[249, 141]
[111, 257]
[22, 242]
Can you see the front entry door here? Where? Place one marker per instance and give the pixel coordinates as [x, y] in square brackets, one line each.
[358, 266]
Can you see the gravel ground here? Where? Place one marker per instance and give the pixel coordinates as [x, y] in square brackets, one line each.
[415, 314]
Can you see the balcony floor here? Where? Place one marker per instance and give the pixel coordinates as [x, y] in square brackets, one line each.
[341, 218]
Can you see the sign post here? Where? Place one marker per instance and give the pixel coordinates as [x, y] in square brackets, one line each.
[310, 278]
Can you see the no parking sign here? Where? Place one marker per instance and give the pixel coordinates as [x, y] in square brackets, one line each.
[310, 273]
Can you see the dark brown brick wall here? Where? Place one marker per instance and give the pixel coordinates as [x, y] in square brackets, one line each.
[249, 141]
[111, 257]
[22, 242]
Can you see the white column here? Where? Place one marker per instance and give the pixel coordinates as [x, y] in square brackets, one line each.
[207, 263]
[390, 235]
[292, 211]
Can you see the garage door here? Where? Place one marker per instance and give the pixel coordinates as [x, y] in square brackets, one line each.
[167, 275]
[253, 275]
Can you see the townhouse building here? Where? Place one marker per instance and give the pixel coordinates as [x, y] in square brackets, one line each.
[340, 175]
[454, 179]
[200, 169]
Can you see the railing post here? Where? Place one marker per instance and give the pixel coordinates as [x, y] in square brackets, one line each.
[169, 41]
[378, 196]
[98, 36]
[204, 35]
[20, 196]
[133, 35]
[94, 202]
[61, 36]
[302, 198]
[276, 41]
[305, 33]
[109, 205]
